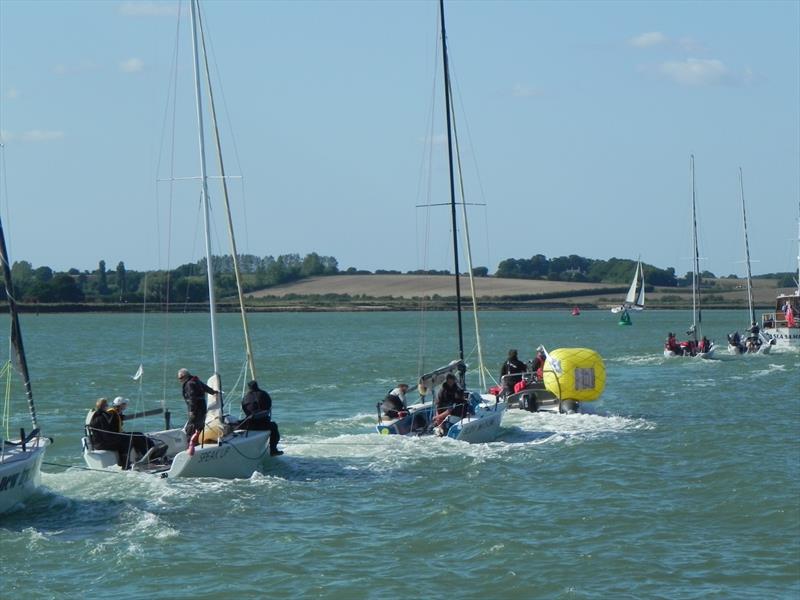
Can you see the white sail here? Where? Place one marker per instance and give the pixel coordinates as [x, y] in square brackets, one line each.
[631, 297]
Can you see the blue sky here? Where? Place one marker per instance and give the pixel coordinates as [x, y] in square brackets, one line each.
[577, 121]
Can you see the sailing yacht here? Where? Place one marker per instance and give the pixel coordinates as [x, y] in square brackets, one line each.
[634, 300]
[484, 412]
[755, 342]
[223, 450]
[697, 345]
[20, 458]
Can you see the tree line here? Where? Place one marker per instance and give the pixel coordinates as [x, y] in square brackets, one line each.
[187, 283]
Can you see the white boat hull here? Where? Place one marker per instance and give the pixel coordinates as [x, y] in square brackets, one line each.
[479, 428]
[701, 355]
[483, 426]
[237, 456]
[785, 338]
[20, 473]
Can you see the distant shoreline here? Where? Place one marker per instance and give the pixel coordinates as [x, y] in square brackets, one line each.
[361, 306]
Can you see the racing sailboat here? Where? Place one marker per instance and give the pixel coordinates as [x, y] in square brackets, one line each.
[697, 345]
[223, 450]
[754, 342]
[20, 458]
[484, 412]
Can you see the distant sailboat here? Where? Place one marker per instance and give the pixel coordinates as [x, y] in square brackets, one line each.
[635, 298]
[576, 311]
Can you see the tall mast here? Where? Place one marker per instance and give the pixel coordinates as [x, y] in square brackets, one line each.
[234, 251]
[452, 184]
[697, 318]
[747, 254]
[16, 333]
[204, 177]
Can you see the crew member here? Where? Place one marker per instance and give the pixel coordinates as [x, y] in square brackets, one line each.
[511, 371]
[257, 405]
[395, 401]
[194, 392]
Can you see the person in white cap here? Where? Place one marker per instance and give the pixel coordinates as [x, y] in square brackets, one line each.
[136, 440]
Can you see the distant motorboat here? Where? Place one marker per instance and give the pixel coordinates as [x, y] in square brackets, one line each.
[782, 326]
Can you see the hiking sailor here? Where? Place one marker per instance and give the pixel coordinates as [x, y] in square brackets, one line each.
[257, 405]
[395, 401]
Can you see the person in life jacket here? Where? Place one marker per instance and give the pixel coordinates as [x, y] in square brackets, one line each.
[194, 392]
[451, 399]
[142, 444]
[511, 371]
[672, 344]
[394, 405]
[257, 405]
[100, 429]
[537, 364]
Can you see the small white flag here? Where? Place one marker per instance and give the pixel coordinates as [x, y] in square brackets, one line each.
[139, 373]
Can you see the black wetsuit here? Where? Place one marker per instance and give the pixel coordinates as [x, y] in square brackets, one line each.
[451, 397]
[513, 366]
[194, 392]
[257, 405]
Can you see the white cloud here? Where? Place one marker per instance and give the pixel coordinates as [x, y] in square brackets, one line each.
[132, 65]
[525, 91]
[12, 94]
[697, 72]
[148, 9]
[40, 135]
[5, 136]
[646, 40]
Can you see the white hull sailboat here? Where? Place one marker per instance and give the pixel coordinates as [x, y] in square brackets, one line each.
[697, 346]
[755, 342]
[223, 451]
[20, 459]
[484, 412]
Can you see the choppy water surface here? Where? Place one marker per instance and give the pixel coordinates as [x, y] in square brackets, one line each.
[684, 484]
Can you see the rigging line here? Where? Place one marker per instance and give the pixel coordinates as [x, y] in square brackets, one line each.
[228, 120]
[465, 220]
[475, 164]
[428, 154]
[170, 209]
[232, 240]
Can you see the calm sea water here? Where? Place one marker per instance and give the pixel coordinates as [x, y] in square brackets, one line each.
[685, 484]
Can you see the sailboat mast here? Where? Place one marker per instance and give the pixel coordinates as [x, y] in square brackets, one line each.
[16, 332]
[454, 220]
[696, 315]
[234, 252]
[204, 177]
[747, 254]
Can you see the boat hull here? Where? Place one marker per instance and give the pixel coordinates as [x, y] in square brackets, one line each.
[20, 474]
[236, 456]
[481, 427]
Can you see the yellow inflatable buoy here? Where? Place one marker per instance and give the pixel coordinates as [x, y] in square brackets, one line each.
[574, 374]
